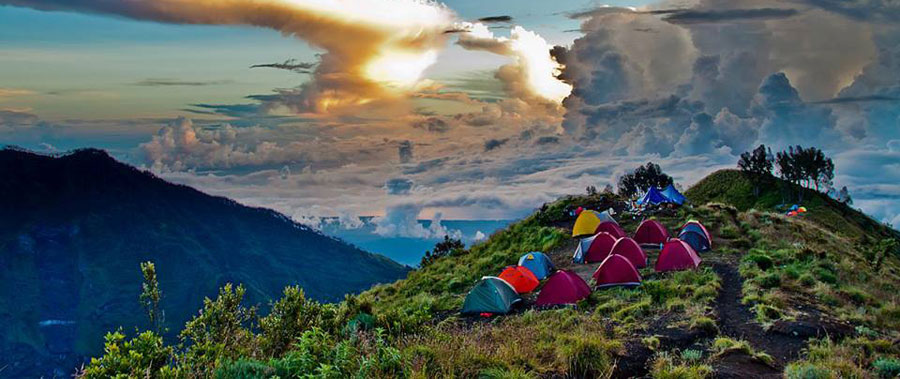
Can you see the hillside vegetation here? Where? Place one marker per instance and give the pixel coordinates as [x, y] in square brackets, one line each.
[75, 228]
[803, 297]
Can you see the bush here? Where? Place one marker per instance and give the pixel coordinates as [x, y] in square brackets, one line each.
[763, 261]
[770, 280]
[887, 367]
[807, 371]
[664, 367]
[142, 356]
[691, 355]
[244, 369]
[585, 357]
[292, 315]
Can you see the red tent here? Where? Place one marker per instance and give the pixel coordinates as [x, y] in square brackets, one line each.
[600, 247]
[677, 255]
[611, 228]
[651, 232]
[521, 278]
[616, 270]
[563, 287]
[630, 249]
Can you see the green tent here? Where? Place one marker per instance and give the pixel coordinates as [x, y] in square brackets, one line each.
[490, 295]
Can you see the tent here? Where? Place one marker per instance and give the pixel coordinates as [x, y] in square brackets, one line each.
[594, 249]
[611, 228]
[490, 295]
[521, 278]
[616, 270]
[694, 225]
[563, 287]
[651, 232]
[539, 264]
[697, 240]
[677, 255]
[588, 221]
[630, 249]
[700, 242]
[673, 195]
[653, 197]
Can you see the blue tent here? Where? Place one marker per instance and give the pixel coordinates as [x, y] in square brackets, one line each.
[673, 195]
[538, 263]
[653, 197]
[696, 239]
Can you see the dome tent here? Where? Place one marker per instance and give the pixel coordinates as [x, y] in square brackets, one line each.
[563, 287]
[521, 278]
[538, 263]
[677, 255]
[616, 270]
[651, 232]
[696, 239]
[611, 228]
[490, 295]
[630, 249]
[694, 225]
[594, 249]
[588, 221]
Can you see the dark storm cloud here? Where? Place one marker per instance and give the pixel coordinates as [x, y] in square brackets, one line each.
[859, 99]
[492, 144]
[398, 186]
[292, 65]
[161, 82]
[432, 124]
[405, 151]
[863, 10]
[588, 13]
[231, 110]
[491, 19]
[728, 15]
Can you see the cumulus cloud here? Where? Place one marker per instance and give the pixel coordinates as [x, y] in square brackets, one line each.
[373, 49]
[402, 220]
[534, 71]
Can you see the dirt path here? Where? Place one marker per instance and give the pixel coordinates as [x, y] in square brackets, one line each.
[738, 321]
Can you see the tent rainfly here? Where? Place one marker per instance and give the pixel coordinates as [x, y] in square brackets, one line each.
[539, 264]
[651, 232]
[616, 270]
[563, 287]
[677, 255]
[490, 295]
[611, 228]
[521, 278]
[588, 221]
[630, 249]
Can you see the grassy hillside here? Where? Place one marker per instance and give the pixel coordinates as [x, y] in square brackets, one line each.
[733, 188]
[776, 296]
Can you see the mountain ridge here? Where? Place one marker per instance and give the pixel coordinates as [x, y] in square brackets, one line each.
[76, 226]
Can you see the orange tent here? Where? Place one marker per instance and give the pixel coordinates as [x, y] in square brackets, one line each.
[521, 278]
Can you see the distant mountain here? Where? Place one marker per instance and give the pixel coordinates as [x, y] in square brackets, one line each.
[74, 228]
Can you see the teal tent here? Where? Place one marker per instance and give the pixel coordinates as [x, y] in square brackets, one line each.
[673, 195]
[490, 295]
[653, 197]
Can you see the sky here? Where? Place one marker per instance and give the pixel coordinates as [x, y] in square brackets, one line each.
[407, 109]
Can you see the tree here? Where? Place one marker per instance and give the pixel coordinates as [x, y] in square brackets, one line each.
[449, 246]
[591, 190]
[643, 177]
[788, 172]
[608, 188]
[150, 295]
[844, 196]
[757, 166]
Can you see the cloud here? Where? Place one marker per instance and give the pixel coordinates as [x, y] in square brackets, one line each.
[292, 65]
[492, 143]
[492, 19]
[375, 51]
[398, 186]
[405, 151]
[533, 75]
[15, 92]
[180, 83]
[432, 124]
[700, 16]
[402, 220]
[15, 120]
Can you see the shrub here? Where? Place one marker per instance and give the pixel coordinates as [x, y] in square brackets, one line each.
[290, 316]
[142, 356]
[807, 371]
[887, 367]
[664, 367]
[244, 369]
[763, 261]
[691, 355]
[770, 280]
[807, 280]
[705, 324]
[825, 275]
[585, 357]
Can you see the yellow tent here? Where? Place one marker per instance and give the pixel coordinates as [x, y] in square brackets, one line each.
[587, 222]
